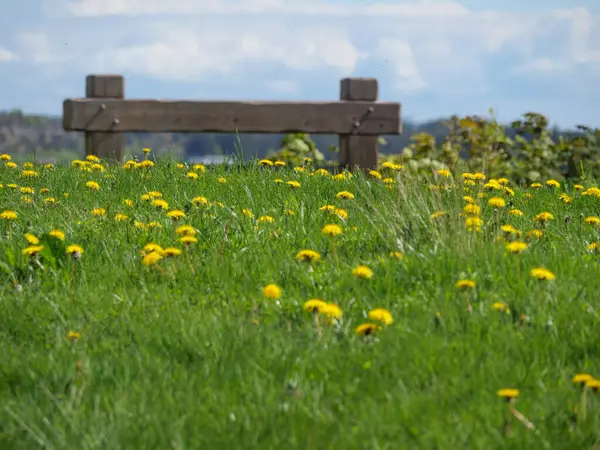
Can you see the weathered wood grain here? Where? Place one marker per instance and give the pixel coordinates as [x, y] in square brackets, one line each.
[110, 115]
[105, 145]
[361, 152]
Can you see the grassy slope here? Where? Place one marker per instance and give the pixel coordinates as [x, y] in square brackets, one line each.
[176, 359]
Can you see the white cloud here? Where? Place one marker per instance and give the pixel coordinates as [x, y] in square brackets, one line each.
[193, 53]
[7, 55]
[406, 70]
[95, 8]
[434, 46]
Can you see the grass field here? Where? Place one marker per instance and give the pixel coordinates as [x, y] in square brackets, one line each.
[187, 346]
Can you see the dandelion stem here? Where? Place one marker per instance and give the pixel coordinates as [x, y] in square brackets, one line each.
[189, 260]
[521, 418]
[73, 274]
[468, 302]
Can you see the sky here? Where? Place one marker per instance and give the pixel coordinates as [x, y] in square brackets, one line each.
[435, 57]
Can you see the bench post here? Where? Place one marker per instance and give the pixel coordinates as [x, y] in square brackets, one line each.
[358, 151]
[105, 145]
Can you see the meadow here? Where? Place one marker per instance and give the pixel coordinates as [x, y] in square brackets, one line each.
[160, 305]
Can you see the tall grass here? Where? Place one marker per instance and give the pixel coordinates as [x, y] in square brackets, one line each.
[188, 353]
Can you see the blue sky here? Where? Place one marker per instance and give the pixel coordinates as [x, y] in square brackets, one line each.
[436, 57]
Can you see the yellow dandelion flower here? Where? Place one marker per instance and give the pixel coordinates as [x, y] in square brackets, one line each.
[332, 311]
[192, 175]
[465, 284]
[32, 239]
[536, 185]
[566, 199]
[516, 247]
[314, 305]
[146, 164]
[344, 195]
[160, 203]
[308, 255]
[146, 150]
[535, 233]
[57, 234]
[5, 157]
[593, 247]
[471, 209]
[73, 335]
[92, 185]
[593, 191]
[176, 214]
[543, 217]
[185, 230]
[541, 273]
[98, 212]
[121, 217]
[29, 174]
[578, 187]
[499, 306]
[515, 212]
[293, 184]
[265, 219]
[331, 230]
[552, 183]
[497, 202]
[246, 212]
[381, 315]
[397, 255]
[341, 213]
[200, 201]
[473, 223]
[375, 174]
[582, 378]
[362, 272]
[444, 173]
[438, 215]
[265, 162]
[32, 250]
[593, 384]
[187, 240]
[221, 180]
[367, 329]
[74, 249]
[271, 291]
[327, 208]
[279, 163]
[592, 220]
[172, 251]
[508, 394]
[152, 258]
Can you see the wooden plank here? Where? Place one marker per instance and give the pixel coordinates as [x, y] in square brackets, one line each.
[228, 116]
[361, 152]
[359, 89]
[105, 145]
